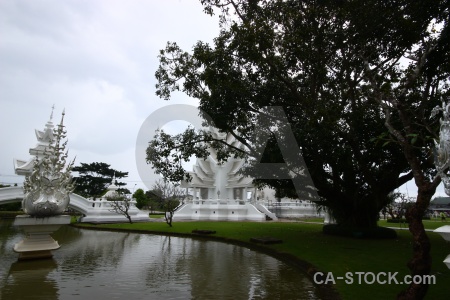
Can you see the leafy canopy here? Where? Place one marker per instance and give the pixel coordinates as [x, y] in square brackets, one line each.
[326, 63]
[94, 178]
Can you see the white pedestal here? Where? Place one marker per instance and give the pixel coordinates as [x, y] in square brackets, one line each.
[38, 243]
[444, 231]
[447, 261]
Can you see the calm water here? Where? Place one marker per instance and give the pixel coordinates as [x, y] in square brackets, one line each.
[111, 265]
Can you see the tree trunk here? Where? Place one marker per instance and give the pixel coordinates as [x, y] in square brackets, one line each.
[420, 263]
[367, 213]
[168, 217]
[356, 213]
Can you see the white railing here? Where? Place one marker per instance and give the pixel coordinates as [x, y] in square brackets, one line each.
[103, 204]
[293, 209]
[218, 202]
[289, 204]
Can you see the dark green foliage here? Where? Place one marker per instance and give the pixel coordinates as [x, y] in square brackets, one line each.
[11, 206]
[360, 233]
[10, 214]
[94, 178]
[141, 199]
[396, 221]
[155, 201]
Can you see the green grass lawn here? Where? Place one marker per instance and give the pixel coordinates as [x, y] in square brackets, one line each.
[320, 220]
[156, 216]
[328, 253]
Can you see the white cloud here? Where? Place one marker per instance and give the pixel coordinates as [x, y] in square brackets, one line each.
[97, 60]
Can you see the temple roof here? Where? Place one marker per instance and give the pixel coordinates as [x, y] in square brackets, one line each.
[112, 188]
[23, 167]
[440, 201]
[44, 139]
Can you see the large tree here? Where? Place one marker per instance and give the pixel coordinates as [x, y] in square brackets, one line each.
[357, 80]
[94, 178]
[291, 54]
[405, 57]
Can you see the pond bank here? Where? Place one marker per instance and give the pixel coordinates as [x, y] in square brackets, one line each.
[325, 291]
[305, 244]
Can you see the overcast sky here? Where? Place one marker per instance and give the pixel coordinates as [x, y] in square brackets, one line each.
[95, 59]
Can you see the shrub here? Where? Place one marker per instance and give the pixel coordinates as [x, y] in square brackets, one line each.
[15, 206]
[9, 214]
[355, 232]
[397, 220]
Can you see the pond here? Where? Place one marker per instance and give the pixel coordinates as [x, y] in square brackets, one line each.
[115, 265]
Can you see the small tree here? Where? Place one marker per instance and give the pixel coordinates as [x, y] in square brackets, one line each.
[170, 195]
[390, 207]
[141, 199]
[404, 203]
[154, 200]
[121, 205]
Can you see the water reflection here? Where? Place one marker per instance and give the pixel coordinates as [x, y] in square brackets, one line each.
[99, 264]
[29, 279]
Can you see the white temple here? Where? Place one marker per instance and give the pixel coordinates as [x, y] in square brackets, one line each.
[102, 212]
[211, 180]
[220, 192]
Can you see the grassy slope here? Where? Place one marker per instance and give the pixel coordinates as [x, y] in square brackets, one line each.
[328, 253]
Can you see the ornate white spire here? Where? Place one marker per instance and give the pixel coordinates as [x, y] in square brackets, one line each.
[48, 187]
[44, 139]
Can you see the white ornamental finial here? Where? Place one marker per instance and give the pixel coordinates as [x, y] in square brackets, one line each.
[51, 115]
[62, 116]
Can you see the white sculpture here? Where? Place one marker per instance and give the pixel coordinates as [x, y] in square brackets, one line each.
[442, 149]
[47, 188]
[442, 161]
